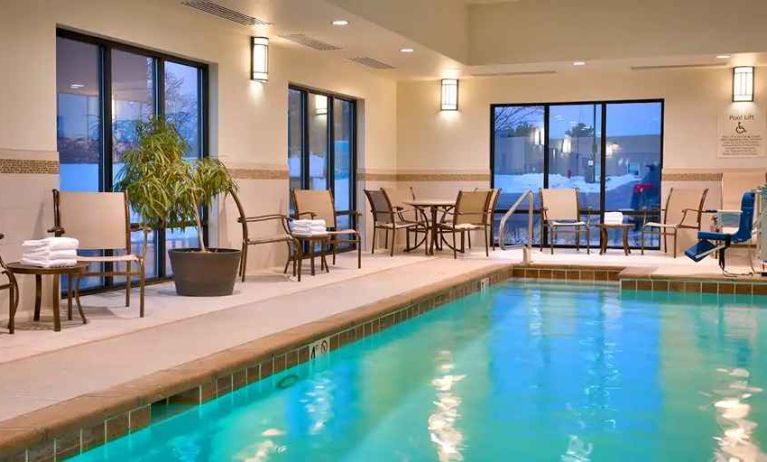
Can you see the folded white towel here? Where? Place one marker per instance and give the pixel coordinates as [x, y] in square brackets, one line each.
[43, 263]
[613, 218]
[52, 243]
[45, 253]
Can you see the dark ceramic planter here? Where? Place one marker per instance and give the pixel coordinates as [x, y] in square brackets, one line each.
[204, 274]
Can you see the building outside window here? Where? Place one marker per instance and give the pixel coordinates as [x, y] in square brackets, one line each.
[611, 152]
[103, 90]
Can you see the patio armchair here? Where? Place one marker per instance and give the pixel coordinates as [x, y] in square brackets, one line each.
[387, 217]
[683, 210]
[469, 214]
[398, 197]
[319, 205]
[560, 209]
[285, 236]
[101, 222]
[13, 291]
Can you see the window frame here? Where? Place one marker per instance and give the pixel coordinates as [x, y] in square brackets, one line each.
[106, 148]
[305, 93]
[603, 104]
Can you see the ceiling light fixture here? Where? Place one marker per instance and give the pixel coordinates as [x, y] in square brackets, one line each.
[340, 22]
[76, 86]
[406, 50]
[723, 56]
[579, 63]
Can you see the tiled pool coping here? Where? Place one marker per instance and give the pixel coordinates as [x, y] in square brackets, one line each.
[70, 427]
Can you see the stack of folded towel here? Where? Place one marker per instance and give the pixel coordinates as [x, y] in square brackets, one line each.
[308, 227]
[51, 252]
[613, 218]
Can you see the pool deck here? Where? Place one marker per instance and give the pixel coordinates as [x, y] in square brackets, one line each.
[42, 370]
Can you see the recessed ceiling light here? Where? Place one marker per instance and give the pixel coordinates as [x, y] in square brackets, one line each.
[579, 63]
[75, 86]
[723, 56]
[406, 50]
[340, 22]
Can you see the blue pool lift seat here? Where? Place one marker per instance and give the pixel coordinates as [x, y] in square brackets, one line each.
[710, 241]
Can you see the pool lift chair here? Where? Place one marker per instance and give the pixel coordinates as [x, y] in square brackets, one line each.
[710, 242]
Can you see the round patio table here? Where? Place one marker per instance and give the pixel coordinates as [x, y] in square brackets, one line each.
[434, 205]
[73, 272]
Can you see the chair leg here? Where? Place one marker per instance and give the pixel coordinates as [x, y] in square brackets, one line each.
[541, 237]
[487, 243]
[641, 240]
[359, 251]
[142, 279]
[675, 235]
[588, 241]
[244, 261]
[69, 297]
[386, 238]
[553, 233]
[455, 248]
[469, 234]
[127, 284]
[577, 239]
[373, 247]
[665, 244]
[287, 261]
[393, 241]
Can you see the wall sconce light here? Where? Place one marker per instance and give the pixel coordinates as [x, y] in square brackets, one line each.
[259, 59]
[742, 84]
[449, 94]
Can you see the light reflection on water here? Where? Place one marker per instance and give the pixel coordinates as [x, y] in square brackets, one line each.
[529, 372]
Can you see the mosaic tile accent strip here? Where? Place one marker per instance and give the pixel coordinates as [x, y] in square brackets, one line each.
[569, 273]
[414, 177]
[692, 176]
[258, 174]
[29, 166]
[76, 425]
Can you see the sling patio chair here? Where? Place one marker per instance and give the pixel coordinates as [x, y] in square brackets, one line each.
[13, 291]
[683, 210]
[283, 235]
[101, 222]
[560, 209]
[388, 218]
[318, 205]
[469, 214]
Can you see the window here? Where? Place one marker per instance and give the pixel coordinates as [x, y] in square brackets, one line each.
[610, 151]
[104, 89]
[321, 147]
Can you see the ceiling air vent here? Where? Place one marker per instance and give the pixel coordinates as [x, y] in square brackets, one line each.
[305, 40]
[677, 66]
[512, 73]
[225, 13]
[371, 62]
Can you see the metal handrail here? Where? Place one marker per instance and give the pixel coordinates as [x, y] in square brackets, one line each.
[502, 228]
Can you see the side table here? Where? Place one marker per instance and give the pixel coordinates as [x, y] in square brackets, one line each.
[73, 274]
[605, 227]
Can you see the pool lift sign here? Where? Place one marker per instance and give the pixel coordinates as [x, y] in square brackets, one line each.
[741, 132]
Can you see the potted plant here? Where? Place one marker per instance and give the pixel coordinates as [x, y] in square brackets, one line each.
[167, 191]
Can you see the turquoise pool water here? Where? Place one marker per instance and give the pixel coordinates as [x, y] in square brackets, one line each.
[526, 372]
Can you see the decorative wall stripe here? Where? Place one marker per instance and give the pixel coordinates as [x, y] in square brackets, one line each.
[413, 177]
[29, 167]
[692, 176]
[258, 174]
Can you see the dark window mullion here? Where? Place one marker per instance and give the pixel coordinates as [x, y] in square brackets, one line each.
[603, 165]
[107, 144]
[331, 147]
[159, 111]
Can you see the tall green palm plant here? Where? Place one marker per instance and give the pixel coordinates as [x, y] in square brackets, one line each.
[164, 189]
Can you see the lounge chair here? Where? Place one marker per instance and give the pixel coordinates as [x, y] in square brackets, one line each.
[388, 218]
[683, 210]
[285, 236]
[13, 292]
[101, 221]
[560, 209]
[319, 205]
[720, 242]
[470, 214]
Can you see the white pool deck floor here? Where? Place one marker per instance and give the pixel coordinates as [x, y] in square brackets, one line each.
[41, 367]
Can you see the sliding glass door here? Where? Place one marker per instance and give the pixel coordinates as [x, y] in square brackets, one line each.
[321, 147]
[610, 151]
[104, 90]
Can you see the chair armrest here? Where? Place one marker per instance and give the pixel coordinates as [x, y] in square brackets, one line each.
[311, 214]
[56, 230]
[260, 218]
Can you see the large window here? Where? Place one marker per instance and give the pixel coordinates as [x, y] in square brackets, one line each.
[610, 151]
[104, 89]
[321, 147]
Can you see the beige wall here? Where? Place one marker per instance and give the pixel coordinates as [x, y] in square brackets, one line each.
[528, 31]
[248, 119]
